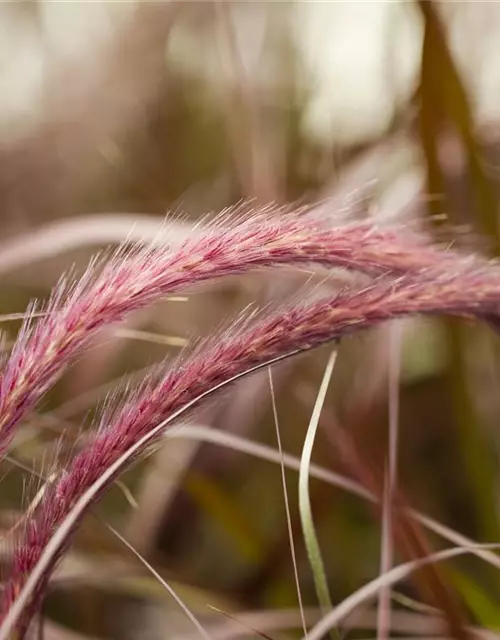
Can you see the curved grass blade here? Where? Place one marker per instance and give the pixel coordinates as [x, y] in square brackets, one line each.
[306, 517]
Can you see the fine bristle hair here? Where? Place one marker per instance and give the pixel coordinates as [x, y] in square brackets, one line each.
[406, 275]
[294, 329]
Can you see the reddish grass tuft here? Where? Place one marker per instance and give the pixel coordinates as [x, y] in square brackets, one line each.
[132, 279]
[462, 291]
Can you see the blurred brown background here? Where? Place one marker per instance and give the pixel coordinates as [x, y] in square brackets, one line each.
[115, 114]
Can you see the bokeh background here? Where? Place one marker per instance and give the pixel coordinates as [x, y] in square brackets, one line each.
[115, 114]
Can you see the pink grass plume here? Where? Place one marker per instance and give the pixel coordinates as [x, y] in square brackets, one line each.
[134, 278]
[464, 291]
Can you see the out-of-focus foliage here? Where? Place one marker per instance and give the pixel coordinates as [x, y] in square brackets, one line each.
[383, 110]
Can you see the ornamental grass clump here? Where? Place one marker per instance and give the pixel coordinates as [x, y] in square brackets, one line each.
[407, 276]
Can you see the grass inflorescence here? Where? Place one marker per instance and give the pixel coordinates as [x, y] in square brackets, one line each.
[407, 275]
